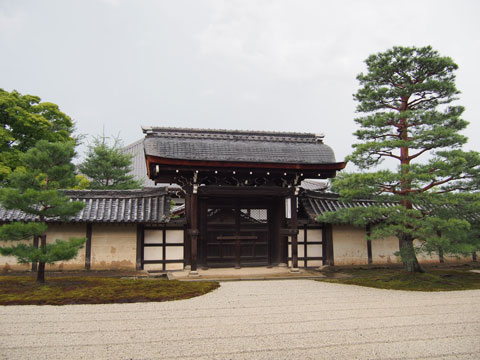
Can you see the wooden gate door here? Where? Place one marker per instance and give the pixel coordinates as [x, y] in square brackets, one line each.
[237, 234]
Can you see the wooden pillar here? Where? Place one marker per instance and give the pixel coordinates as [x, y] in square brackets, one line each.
[280, 244]
[368, 230]
[140, 241]
[187, 253]
[88, 247]
[294, 232]
[35, 244]
[164, 248]
[305, 246]
[327, 239]
[194, 231]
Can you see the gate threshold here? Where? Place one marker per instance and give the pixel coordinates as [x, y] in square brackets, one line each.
[246, 273]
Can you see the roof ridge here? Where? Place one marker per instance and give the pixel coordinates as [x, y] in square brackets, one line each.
[223, 134]
[106, 193]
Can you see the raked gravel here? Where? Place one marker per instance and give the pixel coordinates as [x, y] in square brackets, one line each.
[294, 319]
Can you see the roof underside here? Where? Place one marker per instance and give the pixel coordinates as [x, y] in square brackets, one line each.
[237, 146]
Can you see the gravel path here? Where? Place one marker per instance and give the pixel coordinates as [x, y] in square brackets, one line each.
[295, 319]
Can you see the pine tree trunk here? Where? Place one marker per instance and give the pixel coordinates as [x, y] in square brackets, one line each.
[407, 254]
[41, 265]
[41, 272]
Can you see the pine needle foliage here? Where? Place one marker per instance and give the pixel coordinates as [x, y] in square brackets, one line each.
[406, 100]
[107, 167]
[35, 189]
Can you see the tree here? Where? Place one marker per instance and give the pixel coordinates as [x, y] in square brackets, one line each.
[24, 120]
[406, 98]
[34, 188]
[107, 167]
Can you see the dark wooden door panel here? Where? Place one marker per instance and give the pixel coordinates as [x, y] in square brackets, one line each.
[236, 236]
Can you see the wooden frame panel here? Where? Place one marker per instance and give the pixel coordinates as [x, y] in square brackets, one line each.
[163, 245]
[305, 243]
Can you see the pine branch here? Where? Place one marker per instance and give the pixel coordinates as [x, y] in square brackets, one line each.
[414, 156]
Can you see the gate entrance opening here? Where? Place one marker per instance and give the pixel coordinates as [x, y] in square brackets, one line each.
[237, 233]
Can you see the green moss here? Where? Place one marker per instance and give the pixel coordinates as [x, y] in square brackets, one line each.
[16, 290]
[434, 280]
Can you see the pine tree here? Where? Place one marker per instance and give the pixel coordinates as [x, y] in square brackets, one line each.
[406, 98]
[107, 167]
[34, 188]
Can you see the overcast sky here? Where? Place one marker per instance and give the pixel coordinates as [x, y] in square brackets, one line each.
[260, 65]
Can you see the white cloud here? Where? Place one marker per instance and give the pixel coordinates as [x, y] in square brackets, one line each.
[112, 2]
[11, 23]
[290, 42]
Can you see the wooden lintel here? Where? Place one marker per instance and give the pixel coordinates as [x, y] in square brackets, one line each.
[245, 190]
[201, 164]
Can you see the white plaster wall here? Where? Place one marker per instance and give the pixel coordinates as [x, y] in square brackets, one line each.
[349, 245]
[174, 252]
[424, 258]
[9, 263]
[65, 232]
[174, 236]
[114, 246]
[54, 232]
[450, 259]
[153, 252]
[152, 237]
[383, 250]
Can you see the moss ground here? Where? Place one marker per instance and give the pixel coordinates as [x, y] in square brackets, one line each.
[24, 290]
[441, 279]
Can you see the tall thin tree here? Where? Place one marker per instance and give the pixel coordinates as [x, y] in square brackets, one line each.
[406, 97]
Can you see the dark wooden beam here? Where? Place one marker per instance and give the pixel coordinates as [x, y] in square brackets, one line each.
[369, 243]
[140, 241]
[244, 191]
[305, 246]
[294, 228]
[197, 164]
[88, 247]
[187, 250]
[327, 239]
[164, 248]
[279, 241]
[194, 231]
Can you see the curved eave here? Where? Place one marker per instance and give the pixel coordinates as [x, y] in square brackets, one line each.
[155, 160]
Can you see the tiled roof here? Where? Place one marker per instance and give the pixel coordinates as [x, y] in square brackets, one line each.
[237, 146]
[110, 206]
[314, 185]
[318, 204]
